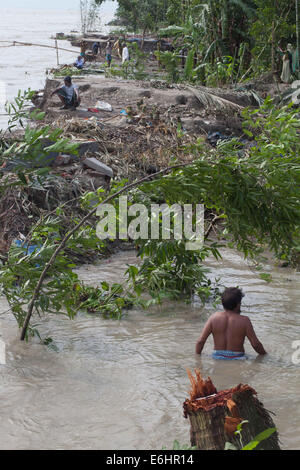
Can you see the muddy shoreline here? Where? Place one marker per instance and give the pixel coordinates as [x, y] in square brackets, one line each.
[147, 124]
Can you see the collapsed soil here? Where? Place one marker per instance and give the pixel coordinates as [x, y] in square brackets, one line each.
[140, 135]
[149, 125]
[141, 132]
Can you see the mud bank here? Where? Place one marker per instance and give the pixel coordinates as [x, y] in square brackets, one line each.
[200, 109]
[139, 135]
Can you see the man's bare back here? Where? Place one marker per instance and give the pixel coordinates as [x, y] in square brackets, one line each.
[229, 328]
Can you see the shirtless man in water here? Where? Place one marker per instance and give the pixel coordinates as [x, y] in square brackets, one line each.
[229, 329]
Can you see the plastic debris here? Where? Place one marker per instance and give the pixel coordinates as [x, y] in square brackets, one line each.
[26, 248]
[213, 138]
[29, 249]
[103, 106]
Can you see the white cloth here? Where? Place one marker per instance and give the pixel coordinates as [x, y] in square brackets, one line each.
[286, 69]
[125, 54]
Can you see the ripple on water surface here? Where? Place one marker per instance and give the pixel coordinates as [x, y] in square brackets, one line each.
[121, 384]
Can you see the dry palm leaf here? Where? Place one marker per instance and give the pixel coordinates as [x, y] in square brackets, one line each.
[212, 101]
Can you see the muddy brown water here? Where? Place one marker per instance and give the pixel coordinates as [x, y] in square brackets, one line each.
[121, 384]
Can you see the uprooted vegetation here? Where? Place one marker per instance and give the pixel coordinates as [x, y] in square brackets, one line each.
[150, 122]
[242, 185]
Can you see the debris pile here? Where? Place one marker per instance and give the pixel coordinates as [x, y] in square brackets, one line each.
[23, 206]
[135, 144]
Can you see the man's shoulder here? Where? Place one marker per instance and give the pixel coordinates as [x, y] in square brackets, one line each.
[246, 320]
[216, 315]
[245, 317]
[241, 318]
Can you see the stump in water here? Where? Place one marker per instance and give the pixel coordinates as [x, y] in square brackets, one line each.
[214, 416]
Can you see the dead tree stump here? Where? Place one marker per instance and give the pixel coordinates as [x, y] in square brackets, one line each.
[214, 416]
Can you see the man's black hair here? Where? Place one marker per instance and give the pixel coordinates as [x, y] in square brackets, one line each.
[231, 297]
[68, 79]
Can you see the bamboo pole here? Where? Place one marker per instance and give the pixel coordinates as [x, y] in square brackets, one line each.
[19, 43]
[298, 37]
[57, 57]
[273, 47]
[268, 42]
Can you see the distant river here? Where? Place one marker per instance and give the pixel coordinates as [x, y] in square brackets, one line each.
[23, 67]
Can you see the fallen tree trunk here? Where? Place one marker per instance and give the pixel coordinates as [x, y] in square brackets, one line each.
[215, 416]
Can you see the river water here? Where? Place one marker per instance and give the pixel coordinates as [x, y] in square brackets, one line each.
[121, 384]
[23, 67]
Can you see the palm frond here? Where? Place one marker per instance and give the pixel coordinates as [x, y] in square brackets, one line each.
[172, 30]
[210, 100]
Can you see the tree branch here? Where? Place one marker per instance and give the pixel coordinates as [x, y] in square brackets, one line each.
[77, 227]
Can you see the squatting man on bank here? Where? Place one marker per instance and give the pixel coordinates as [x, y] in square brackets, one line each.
[68, 94]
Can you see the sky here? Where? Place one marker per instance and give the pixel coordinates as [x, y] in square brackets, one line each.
[50, 4]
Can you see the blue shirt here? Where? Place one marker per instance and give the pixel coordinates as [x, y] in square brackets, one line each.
[79, 62]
